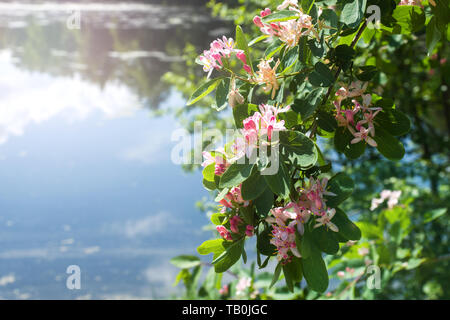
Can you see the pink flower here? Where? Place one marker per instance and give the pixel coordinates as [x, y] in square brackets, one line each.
[249, 230]
[224, 233]
[284, 240]
[224, 290]
[234, 224]
[234, 198]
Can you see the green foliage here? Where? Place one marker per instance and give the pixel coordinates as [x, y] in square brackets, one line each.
[406, 240]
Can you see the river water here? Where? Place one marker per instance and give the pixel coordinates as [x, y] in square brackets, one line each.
[85, 168]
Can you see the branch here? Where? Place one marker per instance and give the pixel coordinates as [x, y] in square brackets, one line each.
[336, 76]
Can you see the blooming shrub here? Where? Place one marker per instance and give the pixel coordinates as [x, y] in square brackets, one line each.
[295, 212]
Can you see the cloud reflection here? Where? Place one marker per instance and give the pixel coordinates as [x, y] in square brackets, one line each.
[27, 99]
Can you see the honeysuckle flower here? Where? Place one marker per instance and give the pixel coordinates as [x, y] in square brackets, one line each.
[325, 220]
[267, 75]
[355, 89]
[224, 290]
[284, 240]
[242, 285]
[363, 251]
[288, 3]
[340, 274]
[315, 195]
[368, 118]
[234, 198]
[234, 224]
[411, 3]
[224, 233]
[392, 197]
[240, 54]
[261, 124]
[249, 230]
[363, 135]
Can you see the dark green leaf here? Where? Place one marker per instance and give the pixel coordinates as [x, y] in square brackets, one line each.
[341, 185]
[388, 145]
[235, 174]
[315, 271]
[347, 228]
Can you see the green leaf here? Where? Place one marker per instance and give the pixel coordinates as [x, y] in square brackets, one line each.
[326, 121]
[289, 59]
[433, 35]
[342, 55]
[347, 228]
[283, 15]
[393, 121]
[254, 186]
[209, 185]
[241, 43]
[263, 238]
[355, 150]
[298, 148]
[257, 39]
[203, 90]
[353, 12]
[408, 19]
[366, 73]
[276, 275]
[342, 186]
[342, 138]
[264, 203]
[218, 218]
[211, 246]
[321, 76]
[305, 243]
[235, 174]
[315, 271]
[279, 183]
[325, 240]
[222, 94]
[434, 214]
[308, 105]
[185, 261]
[307, 5]
[233, 253]
[388, 145]
[369, 230]
[208, 172]
[273, 48]
[292, 272]
[242, 112]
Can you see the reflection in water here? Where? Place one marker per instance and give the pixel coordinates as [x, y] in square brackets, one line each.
[87, 177]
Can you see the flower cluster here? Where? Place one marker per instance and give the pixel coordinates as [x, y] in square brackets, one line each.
[235, 221]
[364, 129]
[289, 31]
[219, 160]
[261, 124]
[285, 220]
[392, 198]
[220, 49]
[267, 75]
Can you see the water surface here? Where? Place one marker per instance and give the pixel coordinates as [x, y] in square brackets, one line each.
[85, 165]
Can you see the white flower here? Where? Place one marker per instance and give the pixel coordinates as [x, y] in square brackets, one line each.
[326, 220]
